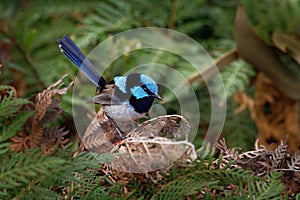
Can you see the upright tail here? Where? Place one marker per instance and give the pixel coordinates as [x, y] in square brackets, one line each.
[71, 50]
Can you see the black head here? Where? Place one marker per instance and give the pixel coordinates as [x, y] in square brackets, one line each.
[139, 89]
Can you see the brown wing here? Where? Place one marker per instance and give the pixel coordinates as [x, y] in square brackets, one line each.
[101, 134]
[106, 97]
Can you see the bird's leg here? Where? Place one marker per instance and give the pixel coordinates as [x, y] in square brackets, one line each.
[137, 126]
[119, 131]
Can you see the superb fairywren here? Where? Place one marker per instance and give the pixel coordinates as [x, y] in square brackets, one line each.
[126, 98]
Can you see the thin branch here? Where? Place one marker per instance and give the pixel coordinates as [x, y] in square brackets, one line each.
[172, 20]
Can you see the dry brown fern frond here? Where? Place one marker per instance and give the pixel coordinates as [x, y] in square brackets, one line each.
[47, 109]
[262, 161]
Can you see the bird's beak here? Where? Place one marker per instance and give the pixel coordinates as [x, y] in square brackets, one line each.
[158, 97]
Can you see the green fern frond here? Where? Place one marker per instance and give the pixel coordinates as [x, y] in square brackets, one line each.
[31, 35]
[195, 182]
[30, 173]
[10, 120]
[4, 148]
[183, 187]
[271, 15]
[9, 106]
[236, 77]
[108, 17]
[15, 125]
[270, 188]
[201, 179]
[21, 168]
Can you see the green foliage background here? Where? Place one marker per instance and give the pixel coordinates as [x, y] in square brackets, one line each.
[30, 31]
[32, 61]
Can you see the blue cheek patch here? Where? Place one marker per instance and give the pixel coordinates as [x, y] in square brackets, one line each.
[138, 92]
[152, 87]
[120, 81]
[150, 83]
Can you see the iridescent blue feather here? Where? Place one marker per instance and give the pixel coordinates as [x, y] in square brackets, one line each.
[70, 49]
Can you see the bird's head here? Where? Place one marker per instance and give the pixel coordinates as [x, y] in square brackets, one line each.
[138, 85]
[139, 89]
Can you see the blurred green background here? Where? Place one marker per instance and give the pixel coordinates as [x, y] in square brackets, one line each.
[31, 59]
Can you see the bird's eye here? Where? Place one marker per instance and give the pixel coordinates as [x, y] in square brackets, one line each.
[146, 89]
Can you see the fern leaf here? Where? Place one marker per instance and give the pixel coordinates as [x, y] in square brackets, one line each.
[279, 155]
[15, 126]
[195, 181]
[4, 148]
[9, 105]
[294, 164]
[269, 189]
[180, 188]
[236, 77]
[109, 16]
[21, 169]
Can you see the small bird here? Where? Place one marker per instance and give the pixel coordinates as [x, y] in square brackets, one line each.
[125, 98]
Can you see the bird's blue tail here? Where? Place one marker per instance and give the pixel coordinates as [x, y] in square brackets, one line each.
[71, 50]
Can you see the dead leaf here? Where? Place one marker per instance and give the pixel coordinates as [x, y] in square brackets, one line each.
[262, 162]
[51, 136]
[43, 102]
[275, 115]
[47, 109]
[244, 101]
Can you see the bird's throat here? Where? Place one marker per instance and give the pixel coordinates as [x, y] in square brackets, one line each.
[142, 105]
